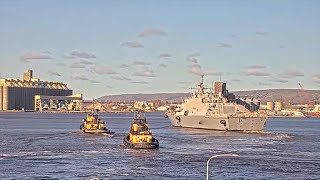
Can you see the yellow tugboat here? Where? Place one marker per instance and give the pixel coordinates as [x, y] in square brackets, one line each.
[93, 124]
[140, 136]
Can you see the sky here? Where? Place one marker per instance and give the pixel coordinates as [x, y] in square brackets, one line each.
[102, 47]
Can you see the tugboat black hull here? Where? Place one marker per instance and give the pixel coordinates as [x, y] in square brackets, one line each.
[98, 131]
[153, 145]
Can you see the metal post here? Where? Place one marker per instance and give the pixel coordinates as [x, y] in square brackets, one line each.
[218, 155]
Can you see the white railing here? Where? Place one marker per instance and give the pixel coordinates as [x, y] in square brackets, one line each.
[218, 155]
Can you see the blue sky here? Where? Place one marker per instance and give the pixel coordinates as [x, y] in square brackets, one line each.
[115, 47]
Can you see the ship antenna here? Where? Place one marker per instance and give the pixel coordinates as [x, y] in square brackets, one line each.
[202, 79]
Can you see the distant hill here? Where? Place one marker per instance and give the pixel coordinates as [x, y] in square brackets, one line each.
[171, 97]
[286, 95]
[296, 96]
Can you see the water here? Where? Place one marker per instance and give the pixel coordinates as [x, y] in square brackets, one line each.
[50, 146]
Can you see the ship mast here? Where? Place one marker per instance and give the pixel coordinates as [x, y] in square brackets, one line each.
[92, 105]
[202, 79]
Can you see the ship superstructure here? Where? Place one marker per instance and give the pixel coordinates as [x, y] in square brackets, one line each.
[217, 110]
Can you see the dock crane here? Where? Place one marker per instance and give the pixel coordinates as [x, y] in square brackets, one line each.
[304, 93]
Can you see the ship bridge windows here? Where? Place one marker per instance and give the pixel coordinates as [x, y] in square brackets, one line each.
[212, 106]
[143, 128]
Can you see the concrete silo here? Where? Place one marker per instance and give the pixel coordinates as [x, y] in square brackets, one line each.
[278, 106]
[270, 106]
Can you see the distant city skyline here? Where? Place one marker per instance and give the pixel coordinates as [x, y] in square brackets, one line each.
[122, 47]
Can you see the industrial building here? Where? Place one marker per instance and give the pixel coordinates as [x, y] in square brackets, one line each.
[70, 103]
[220, 88]
[19, 94]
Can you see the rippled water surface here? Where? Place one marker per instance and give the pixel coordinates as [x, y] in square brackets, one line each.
[50, 146]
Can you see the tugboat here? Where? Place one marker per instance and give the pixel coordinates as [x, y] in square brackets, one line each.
[93, 124]
[140, 136]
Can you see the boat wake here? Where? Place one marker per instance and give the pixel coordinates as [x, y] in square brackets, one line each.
[277, 135]
[258, 132]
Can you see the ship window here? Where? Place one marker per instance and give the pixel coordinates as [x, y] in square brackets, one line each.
[186, 113]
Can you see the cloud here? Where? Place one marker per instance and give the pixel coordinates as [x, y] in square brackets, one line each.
[124, 66]
[46, 52]
[255, 67]
[229, 73]
[264, 84]
[255, 70]
[162, 65]
[146, 72]
[279, 80]
[120, 78]
[184, 82]
[109, 87]
[53, 73]
[139, 82]
[132, 44]
[193, 58]
[164, 55]
[197, 70]
[291, 73]
[316, 78]
[194, 55]
[224, 45]
[235, 80]
[76, 65]
[141, 63]
[80, 54]
[103, 70]
[77, 76]
[152, 32]
[262, 33]
[27, 57]
[60, 64]
[95, 81]
[85, 62]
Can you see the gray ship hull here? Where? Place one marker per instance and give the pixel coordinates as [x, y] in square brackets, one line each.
[221, 124]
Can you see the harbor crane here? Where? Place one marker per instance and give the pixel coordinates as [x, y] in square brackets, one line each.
[305, 94]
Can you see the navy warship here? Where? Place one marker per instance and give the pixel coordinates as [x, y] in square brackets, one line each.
[217, 110]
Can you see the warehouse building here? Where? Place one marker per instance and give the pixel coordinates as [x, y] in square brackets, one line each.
[52, 103]
[19, 94]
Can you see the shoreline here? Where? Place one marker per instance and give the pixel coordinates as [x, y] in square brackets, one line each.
[118, 112]
[53, 112]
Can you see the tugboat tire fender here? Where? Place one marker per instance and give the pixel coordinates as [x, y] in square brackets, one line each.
[223, 122]
[178, 118]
